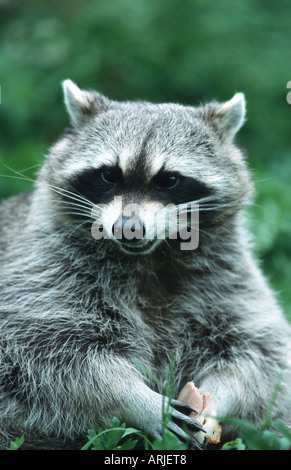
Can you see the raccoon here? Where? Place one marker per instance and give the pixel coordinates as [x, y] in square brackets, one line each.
[101, 290]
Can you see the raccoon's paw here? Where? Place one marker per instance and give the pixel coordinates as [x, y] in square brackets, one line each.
[144, 410]
[181, 421]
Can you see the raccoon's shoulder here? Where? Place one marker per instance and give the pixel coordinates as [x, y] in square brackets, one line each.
[13, 210]
[15, 203]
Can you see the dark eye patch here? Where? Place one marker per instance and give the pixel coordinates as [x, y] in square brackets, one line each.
[166, 181]
[180, 189]
[110, 176]
[96, 185]
[99, 186]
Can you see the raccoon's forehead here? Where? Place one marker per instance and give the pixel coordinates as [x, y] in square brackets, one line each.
[127, 161]
[147, 142]
[131, 160]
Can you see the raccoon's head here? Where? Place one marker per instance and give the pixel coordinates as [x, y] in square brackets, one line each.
[138, 174]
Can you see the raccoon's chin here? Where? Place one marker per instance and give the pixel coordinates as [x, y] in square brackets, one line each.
[142, 248]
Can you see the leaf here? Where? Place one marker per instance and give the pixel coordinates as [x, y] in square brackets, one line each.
[128, 445]
[109, 439]
[115, 423]
[91, 436]
[14, 445]
[236, 444]
[261, 440]
[128, 431]
[91, 433]
[256, 439]
[169, 442]
[98, 445]
[282, 428]
[285, 444]
[113, 437]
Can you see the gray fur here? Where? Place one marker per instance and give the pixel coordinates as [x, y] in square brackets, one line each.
[75, 312]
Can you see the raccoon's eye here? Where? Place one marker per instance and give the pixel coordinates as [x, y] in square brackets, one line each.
[109, 176]
[166, 181]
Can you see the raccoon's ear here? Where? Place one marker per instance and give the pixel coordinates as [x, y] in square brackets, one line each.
[227, 118]
[80, 104]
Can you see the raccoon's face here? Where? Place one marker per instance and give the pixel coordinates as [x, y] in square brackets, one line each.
[140, 174]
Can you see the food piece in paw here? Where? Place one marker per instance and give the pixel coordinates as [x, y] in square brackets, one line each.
[201, 403]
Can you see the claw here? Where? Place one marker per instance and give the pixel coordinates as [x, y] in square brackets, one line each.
[182, 407]
[179, 417]
[191, 423]
[194, 444]
[193, 426]
[183, 436]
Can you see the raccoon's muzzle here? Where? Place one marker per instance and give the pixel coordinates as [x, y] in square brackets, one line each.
[129, 230]
[130, 233]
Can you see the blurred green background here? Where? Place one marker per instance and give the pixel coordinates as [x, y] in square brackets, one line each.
[187, 51]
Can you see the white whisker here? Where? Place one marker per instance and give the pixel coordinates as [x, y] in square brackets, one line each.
[68, 194]
[73, 204]
[75, 229]
[56, 189]
[83, 214]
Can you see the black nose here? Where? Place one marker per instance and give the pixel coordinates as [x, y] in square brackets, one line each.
[128, 230]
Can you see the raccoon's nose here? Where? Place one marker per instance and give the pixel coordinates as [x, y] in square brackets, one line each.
[128, 230]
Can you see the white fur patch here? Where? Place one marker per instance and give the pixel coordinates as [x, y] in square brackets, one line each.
[124, 159]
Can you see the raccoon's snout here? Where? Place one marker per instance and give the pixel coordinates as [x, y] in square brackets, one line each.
[129, 230]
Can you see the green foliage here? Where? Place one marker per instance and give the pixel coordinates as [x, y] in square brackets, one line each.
[277, 437]
[16, 444]
[114, 439]
[237, 444]
[252, 438]
[110, 438]
[168, 442]
[271, 436]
